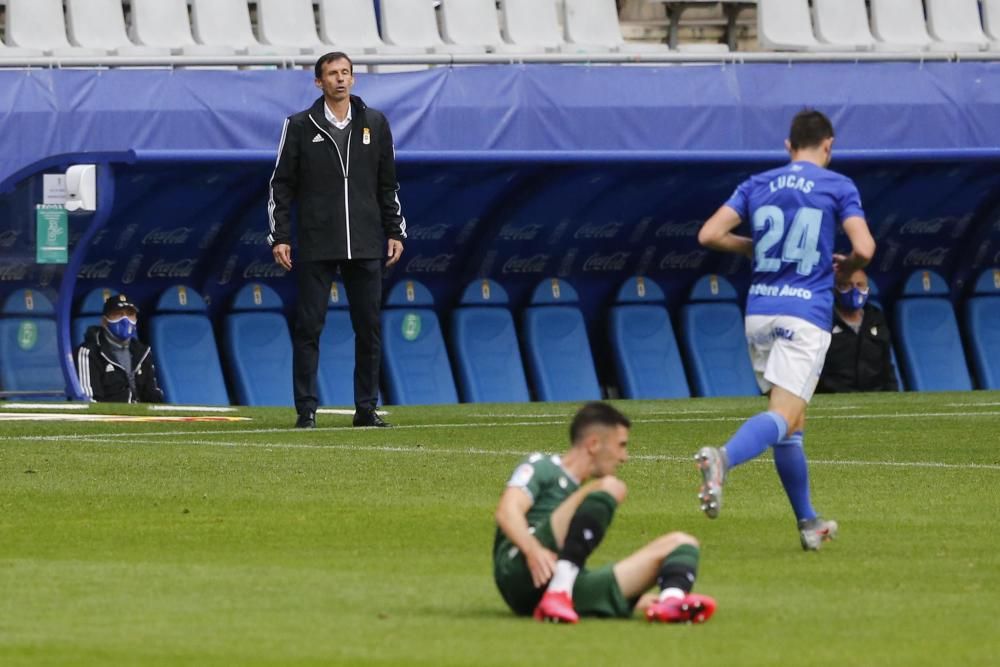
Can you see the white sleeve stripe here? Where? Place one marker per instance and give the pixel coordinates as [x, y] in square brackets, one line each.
[399, 211]
[83, 371]
[270, 183]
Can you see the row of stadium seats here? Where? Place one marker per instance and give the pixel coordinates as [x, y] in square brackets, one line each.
[289, 27]
[893, 25]
[486, 346]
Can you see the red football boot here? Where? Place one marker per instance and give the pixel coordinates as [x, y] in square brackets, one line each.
[692, 608]
[556, 607]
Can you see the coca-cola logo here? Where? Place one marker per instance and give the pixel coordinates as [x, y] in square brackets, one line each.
[613, 262]
[8, 238]
[125, 236]
[674, 260]
[254, 237]
[932, 257]
[257, 270]
[512, 232]
[429, 263]
[530, 264]
[10, 271]
[182, 268]
[428, 232]
[608, 230]
[98, 270]
[922, 227]
[176, 236]
[669, 230]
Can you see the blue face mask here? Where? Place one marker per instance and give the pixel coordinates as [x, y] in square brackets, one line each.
[852, 299]
[123, 328]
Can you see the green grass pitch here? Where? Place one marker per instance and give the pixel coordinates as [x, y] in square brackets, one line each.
[252, 543]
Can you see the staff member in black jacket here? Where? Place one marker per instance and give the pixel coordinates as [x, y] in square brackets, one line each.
[113, 365]
[860, 354]
[336, 161]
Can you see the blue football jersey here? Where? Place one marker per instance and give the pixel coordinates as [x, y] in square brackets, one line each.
[793, 211]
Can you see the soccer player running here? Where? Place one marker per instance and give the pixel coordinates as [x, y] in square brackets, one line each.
[793, 211]
[550, 519]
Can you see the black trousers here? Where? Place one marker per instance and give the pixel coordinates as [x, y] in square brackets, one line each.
[363, 283]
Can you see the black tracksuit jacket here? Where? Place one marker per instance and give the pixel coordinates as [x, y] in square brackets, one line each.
[859, 361]
[347, 204]
[103, 380]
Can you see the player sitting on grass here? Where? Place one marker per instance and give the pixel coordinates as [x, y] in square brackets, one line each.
[550, 519]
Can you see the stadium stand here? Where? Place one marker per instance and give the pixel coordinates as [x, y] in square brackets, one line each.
[165, 24]
[474, 23]
[226, 23]
[336, 351]
[258, 348]
[957, 22]
[677, 10]
[901, 24]
[289, 23]
[89, 312]
[927, 336]
[642, 339]
[991, 20]
[843, 23]
[100, 24]
[350, 26]
[982, 328]
[560, 362]
[596, 22]
[484, 342]
[29, 359]
[535, 23]
[413, 23]
[40, 24]
[184, 349]
[714, 341]
[415, 363]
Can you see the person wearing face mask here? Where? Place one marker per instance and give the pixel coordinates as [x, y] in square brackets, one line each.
[113, 364]
[860, 354]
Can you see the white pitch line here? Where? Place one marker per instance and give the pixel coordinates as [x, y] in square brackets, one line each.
[561, 422]
[472, 451]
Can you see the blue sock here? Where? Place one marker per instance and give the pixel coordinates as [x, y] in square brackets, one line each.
[756, 435]
[790, 460]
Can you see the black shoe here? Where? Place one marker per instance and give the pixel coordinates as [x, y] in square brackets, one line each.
[307, 419]
[370, 418]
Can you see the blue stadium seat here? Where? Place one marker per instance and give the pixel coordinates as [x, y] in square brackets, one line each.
[336, 351]
[485, 343]
[715, 343]
[642, 340]
[29, 356]
[982, 325]
[414, 359]
[927, 336]
[89, 313]
[258, 347]
[560, 363]
[183, 342]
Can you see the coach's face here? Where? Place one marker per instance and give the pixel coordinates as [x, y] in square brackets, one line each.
[337, 80]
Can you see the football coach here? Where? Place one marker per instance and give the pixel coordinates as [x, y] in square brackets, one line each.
[337, 163]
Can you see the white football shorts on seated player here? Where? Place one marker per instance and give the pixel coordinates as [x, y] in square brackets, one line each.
[786, 351]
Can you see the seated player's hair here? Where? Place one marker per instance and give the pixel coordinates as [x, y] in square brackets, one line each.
[595, 413]
[810, 128]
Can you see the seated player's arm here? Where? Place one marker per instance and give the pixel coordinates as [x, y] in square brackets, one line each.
[717, 233]
[511, 517]
[862, 247]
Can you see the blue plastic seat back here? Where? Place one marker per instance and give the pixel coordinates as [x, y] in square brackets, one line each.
[643, 343]
[560, 362]
[927, 336]
[258, 348]
[89, 313]
[29, 356]
[487, 355]
[187, 357]
[715, 344]
[414, 359]
[982, 324]
[336, 352]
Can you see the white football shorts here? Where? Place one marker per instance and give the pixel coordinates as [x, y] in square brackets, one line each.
[786, 351]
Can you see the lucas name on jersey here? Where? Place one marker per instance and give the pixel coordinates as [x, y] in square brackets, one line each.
[790, 182]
